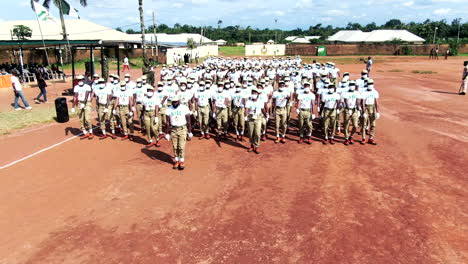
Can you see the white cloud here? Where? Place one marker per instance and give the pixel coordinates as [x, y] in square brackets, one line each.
[326, 19]
[442, 11]
[178, 5]
[25, 3]
[303, 3]
[409, 3]
[335, 12]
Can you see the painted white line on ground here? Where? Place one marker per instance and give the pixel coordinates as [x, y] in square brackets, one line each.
[38, 152]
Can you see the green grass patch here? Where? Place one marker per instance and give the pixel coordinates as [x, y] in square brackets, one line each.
[232, 51]
[14, 120]
[423, 72]
[463, 54]
[396, 70]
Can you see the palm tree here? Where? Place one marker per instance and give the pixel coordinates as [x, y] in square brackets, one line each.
[142, 25]
[219, 23]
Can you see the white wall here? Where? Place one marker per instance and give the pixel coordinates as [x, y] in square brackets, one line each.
[265, 50]
[203, 51]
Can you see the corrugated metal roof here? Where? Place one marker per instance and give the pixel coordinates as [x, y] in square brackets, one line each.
[77, 29]
[374, 36]
[173, 39]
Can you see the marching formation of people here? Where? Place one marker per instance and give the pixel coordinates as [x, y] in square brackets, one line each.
[237, 98]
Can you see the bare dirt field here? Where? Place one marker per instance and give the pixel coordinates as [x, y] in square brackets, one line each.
[110, 201]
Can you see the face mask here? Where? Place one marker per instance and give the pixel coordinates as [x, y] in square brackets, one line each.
[227, 86]
[160, 89]
[102, 86]
[207, 86]
[370, 87]
[111, 79]
[144, 82]
[201, 89]
[139, 85]
[364, 76]
[220, 89]
[149, 94]
[127, 79]
[281, 89]
[95, 81]
[122, 88]
[183, 88]
[330, 91]
[80, 83]
[169, 82]
[189, 85]
[254, 96]
[306, 90]
[351, 89]
[244, 85]
[116, 81]
[238, 90]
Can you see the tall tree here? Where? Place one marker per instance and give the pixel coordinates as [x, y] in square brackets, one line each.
[142, 25]
[22, 32]
[64, 8]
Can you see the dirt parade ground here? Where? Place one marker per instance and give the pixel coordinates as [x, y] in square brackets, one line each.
[111, 201]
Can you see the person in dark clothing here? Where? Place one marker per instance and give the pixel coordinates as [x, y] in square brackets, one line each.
[42, 86]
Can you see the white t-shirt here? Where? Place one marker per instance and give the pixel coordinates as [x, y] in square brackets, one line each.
[352, 98]
[177, 115]
[150, 103]
[369, 97]
[15, 80]
[306, 100]
[140, 93]
[220, 99]
[102, 94]
[281, 98]
[203, 98]
[237, 99]
[330, 100]
[126, 61]
[81, 91]
[124, 97]
[254, 108]
[185, 96]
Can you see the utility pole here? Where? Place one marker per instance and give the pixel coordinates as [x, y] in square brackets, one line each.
[458, 35]
[276, 31]
[64, 30]
[155, 38]
[142, 26]
[201, 33]
[250, 41]
[435, 31]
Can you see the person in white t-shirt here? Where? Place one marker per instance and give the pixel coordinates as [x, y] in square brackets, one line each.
[83, 96]
[103, 97]
[280, 102]
[179, 128]
[18, 90]
[254, 109]
[352, 111]
[151, 104]
[126, 64]
[330, 102]
[239, 99]
[202, 102]
[220, 102]
[126, 110]
[370, 108]
[305, 112]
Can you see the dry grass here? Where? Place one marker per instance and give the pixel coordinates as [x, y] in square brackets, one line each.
[423, 72]
[396, 70]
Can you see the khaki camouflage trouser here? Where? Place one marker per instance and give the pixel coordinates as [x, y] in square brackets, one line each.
[162, 119]
[351, 118]
[371, 117]
[339, 117]
[281, 120]
[104, 118]
[222, 119]
[329, 122]
[126, 119]
[179, 138]
[305, 124]
[84, 114]
[255, 130]
[204, 118]
[140, 113]
[150, 125]
[239, 119]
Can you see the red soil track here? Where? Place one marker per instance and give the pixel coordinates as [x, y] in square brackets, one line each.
[403, 201]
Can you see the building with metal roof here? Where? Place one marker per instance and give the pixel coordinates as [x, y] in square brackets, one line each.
[172, 39]
[376, 36]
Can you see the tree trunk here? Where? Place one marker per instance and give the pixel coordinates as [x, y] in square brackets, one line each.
[64, 32]
[142, 24]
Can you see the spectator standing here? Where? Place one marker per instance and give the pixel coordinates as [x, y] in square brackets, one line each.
[126, 64]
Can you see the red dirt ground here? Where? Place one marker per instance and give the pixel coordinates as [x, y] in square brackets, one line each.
[403, 201]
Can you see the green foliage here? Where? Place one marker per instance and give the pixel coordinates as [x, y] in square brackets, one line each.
[191, 43]
[22, 32]
[423, 72]
[406, 50]
[453, 47]
[395, 41]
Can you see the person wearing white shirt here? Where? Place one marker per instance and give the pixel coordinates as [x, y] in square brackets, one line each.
[179, 129]
[330, 102]
[280, 102]
[352, 111]
[202, 102]
[83, 95]
[370, 107]
[239, 100]
[151, 104]
[18, 90]
[124, 103]
[139, 93]
[162, 96]
[220, 101]
[305, 111]
[263, 97]
[103, 97]
[254, 109]
[126, 64]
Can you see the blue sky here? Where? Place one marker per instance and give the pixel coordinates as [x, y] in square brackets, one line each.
[256, 13]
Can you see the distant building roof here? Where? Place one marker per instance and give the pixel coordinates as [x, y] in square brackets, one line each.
[220, 40]
[374, 36]
[173, 39]
[305, 39]
[77, 29]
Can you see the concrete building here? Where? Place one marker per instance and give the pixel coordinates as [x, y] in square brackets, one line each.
[376, 36]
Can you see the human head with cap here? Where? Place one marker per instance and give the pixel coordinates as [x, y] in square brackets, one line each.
[255, 93]
[144, 79]
[175, 101]
[95, 78]
[208, 84]
[306, 87]
[370, 85]
[149, 91]
[160, 87]
[364, 74]
[331, 88]
[281, 85]
[123, 85]
[183, 84]
[238, 87]
[220, 86]
[80, 79]
[139, 83]
[352, 86]
[127, 78]
[101, 83]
